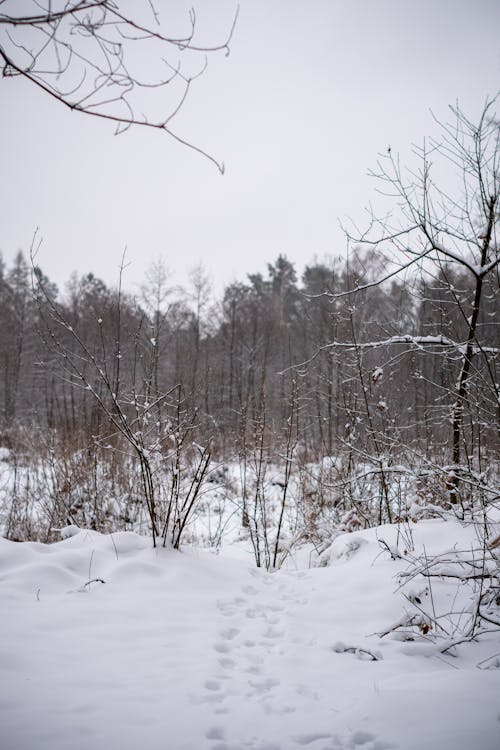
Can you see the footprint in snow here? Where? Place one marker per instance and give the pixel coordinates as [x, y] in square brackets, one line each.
[310, 737]
[252, 613]
[267, 613]
[273, 633]
[230, 608]
[270, 708]
[253, 670]
[229, 633]
[215, 733]
[367, 741]
[262, 686]
[222, 647]
[213, 693]
[212, 685]
[226, 663]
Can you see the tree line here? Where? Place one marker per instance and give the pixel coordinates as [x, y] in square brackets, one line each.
[355, 365]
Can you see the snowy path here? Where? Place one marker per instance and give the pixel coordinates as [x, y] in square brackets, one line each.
[261, 674]
[197, 652]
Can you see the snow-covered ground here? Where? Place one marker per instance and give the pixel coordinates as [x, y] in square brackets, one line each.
[194, 650]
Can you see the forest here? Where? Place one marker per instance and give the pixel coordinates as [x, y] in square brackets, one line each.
[337, 389]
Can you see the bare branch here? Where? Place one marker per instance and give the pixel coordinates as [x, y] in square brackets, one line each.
[84, 55]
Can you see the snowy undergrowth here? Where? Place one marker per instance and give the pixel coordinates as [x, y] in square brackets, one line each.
[107, 643]
[39, 494]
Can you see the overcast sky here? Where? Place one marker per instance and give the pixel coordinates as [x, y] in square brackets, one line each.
[313, 90]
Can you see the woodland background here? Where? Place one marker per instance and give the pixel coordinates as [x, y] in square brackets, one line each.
[281, 372]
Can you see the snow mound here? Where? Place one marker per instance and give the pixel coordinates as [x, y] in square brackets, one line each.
[68, 531]
[196, 651]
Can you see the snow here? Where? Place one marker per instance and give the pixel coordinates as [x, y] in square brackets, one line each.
[108, 643]
[68, 531]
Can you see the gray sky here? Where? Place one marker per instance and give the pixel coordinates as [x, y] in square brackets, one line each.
[312, 91]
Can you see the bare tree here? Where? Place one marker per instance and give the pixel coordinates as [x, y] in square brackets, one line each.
[447, 234]
[106, 58]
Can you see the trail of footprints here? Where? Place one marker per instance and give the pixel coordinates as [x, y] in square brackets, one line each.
[247, 655]
[254, 634]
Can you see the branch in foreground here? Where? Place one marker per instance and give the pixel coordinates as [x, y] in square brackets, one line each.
[82, 55]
